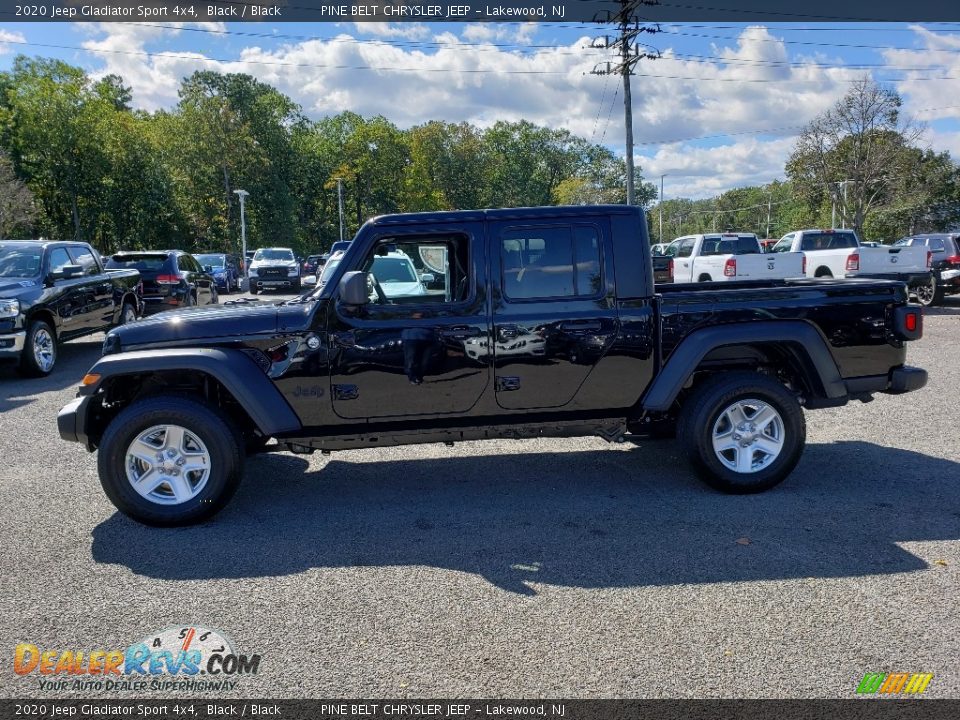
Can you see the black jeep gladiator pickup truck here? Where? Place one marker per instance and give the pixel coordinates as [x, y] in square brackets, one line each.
[547, 325]
[53, 291]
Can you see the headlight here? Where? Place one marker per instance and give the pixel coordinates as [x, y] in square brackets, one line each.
[9, 308]
[253, 272]
[111, 344]
[293, 272]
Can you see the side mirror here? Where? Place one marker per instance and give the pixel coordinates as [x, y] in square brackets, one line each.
[310, 280]
[67, 271]
[427, 278]
[353, 288]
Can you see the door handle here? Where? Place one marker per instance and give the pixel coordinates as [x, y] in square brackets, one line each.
[508, 332]
[581, 326]
[460, 332]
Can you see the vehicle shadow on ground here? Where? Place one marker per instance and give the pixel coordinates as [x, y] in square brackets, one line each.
[73, 360]
[583, 519]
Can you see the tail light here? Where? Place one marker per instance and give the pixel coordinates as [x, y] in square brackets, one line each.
[953, 259]
[929, 259]
[909, 322]
[730, 267]
[803, 265]
[670, 268]
[168, 279]
[853, 261]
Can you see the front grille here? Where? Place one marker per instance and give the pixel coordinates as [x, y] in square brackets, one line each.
[272, 272]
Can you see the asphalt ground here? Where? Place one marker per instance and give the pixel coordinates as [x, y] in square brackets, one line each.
[550, 568]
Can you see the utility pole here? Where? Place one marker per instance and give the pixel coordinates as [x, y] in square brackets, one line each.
[242, 194]
[769, 202]
[340, 204]
[625, 43]
[660, 206]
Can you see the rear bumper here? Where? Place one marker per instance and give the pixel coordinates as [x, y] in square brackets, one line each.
[12, 345]
[950, 279]
[71, 422]
[912, 279]
[898, 381]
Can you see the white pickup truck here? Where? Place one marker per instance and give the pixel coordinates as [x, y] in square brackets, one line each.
[720, 257]
[839, 254]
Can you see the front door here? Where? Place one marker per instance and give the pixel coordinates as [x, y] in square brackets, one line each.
[554, 312]
[413, 350]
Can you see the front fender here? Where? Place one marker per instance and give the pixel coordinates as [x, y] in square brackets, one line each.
[238, 373]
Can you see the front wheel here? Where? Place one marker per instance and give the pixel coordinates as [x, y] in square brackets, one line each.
[744, 432]
[170, 460]
[253, 289]
[39, 350]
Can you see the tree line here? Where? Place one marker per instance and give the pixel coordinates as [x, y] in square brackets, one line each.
[77, 161]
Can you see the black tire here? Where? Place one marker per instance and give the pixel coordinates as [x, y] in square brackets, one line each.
[702, 414]
[189, 300]
[128, 314]
[210, 425]
[932, 293]
[704, 278]
[253, 289]
[214, 296]
[31, 361]
[823, 272]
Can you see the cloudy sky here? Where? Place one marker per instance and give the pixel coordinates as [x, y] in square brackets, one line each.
[720, 109]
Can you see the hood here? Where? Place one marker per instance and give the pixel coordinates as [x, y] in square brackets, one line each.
[403, 288]
[213, 321]
[274, 263]
[10, 288]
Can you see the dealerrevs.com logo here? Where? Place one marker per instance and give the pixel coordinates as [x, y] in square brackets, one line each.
[190, 658]
[894, 683]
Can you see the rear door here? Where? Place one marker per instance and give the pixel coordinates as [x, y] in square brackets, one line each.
[97, 289]
[683, 260]
[407, 353]
[554, 312]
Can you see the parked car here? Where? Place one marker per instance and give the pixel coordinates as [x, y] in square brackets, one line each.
[723, 257]
[274, 269]
[225, 269]
[835, 253]
[56, 291]
[171, 279]
[733, 368]
[659, 249]
[312, 265]
[944, 249]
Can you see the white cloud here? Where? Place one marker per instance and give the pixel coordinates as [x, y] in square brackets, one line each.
[747, 86]
[939, 58]
[410, 31]
[9, 37]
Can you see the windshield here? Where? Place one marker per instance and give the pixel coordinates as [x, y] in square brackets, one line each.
[328, 270]
[138, 262]
[905, 242]
[388, 270]
[214, 261]
[21, 261]
[273, 254]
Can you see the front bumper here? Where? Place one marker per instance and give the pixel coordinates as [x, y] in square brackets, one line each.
[273, 283]
[71, 422]
[12, 345]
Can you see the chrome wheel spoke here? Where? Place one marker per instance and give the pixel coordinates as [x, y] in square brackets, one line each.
[764, 417]
[744, 462]
[180, 487]
[768, 445]
[748, 436]
[174, 438]
[168, 464]
[148, 482]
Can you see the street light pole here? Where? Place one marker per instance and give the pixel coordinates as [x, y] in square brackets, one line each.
[242, 194]
[340, 204]
[660, 204]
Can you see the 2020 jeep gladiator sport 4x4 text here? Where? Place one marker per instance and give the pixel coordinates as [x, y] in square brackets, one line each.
[577, 343]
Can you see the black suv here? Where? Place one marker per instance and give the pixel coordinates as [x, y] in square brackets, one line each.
[171, 279]
[944, 261]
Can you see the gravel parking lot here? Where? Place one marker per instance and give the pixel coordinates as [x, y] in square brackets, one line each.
[554, 568]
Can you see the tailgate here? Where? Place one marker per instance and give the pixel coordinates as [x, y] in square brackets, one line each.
[773, 266]
[893, 259]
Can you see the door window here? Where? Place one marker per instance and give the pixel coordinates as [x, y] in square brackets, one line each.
[685, 248]
[59, 258]
[550, 262]
[419, 269]
[84, 258]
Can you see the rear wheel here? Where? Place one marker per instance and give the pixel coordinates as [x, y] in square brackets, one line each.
[189, 300]
[170, 460]
[823, 272]
[704, 278]
[744, 432]
[128, 314]
[39, 350]
[253, 289]
[930, 293]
